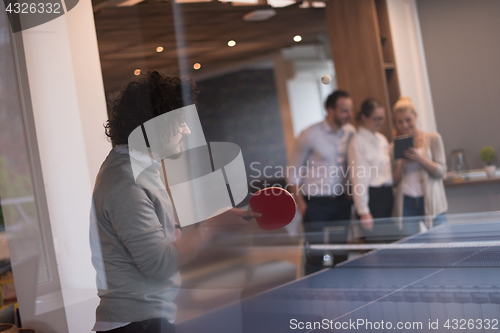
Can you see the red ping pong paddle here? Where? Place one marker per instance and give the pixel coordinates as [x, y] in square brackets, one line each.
[276, 205]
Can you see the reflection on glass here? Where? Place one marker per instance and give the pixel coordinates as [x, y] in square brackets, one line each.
[19, 220]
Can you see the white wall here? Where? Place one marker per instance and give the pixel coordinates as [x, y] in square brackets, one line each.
[306, 93]
[410, 60]
[69, 109]
[462, 48]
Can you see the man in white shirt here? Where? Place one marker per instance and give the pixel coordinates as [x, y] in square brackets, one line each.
[317, 175]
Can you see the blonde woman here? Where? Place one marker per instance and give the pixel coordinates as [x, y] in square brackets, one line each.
[371, 172]
[418, 176]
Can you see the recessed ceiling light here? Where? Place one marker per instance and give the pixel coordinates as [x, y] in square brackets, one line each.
[259, 15]
[313, 4]
[128, 3]
[137, 72]
[197, 66]
[231, 43]
[240, 2]
[280, 3]
[318, 4]
[159, 49]
[297, 38]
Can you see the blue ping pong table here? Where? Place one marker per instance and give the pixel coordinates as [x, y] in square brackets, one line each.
[444, 280]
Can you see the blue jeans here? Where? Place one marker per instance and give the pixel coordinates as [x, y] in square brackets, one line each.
[414, 207]
[440, 219]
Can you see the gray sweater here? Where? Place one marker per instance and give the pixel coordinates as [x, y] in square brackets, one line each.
[132, 229]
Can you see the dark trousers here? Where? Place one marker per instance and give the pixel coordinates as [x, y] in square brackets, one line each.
[380, 204]
[326, 212]
[156, 325]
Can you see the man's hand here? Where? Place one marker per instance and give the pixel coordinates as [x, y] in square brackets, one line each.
[190, 246]
[367, 221]
[233, 219]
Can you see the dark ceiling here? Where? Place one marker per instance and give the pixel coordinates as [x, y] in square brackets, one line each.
[128, 36]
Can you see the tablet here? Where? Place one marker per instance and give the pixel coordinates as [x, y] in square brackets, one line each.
[401, 144]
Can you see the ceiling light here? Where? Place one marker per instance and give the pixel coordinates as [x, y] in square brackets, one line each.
[231, 43]
[115, 3]
[137, 72]
[159, 49]
[128, 3]
[318, 4]
[191, 1]
[280, 3]
[242, 2]
[259, 15]
[197, 66]
[297, 38]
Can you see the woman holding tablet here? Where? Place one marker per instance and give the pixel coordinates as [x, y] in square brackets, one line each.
[418, 176]
[371, 166]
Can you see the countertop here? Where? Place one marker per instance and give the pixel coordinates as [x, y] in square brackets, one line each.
[471, 177]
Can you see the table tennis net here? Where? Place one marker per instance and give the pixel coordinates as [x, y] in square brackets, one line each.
[488, 256]
[411, 294]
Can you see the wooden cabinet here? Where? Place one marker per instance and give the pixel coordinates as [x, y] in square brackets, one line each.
[362, 51]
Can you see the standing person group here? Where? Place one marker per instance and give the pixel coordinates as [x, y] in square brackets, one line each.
[381, 187]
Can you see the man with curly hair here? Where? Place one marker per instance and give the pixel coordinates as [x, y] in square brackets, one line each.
[137, 247]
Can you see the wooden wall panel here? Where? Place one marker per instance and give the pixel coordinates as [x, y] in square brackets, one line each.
[357, 52]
